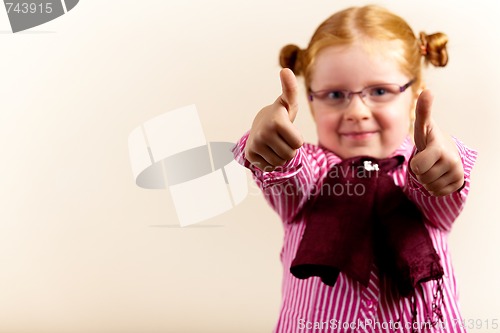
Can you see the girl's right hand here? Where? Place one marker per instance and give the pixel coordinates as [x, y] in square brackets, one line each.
[273, 139]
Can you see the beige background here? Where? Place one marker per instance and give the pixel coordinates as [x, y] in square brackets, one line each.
[82, 249]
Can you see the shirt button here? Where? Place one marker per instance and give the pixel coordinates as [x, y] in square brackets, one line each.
[370, 304]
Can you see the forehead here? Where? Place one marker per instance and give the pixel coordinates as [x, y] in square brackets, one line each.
[357, 65]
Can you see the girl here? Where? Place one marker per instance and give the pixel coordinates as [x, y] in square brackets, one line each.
[362, 72]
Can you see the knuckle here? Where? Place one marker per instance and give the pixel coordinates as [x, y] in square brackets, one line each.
[435, 186]
[452, 159]
[268, 168]
[429, 188]
[422, 180]
[290, 154]
[259, 134]
[298, 142]
[264, 137]
[441, 193]
[261, 165]
[256, 159]
[250, 155]
[277, 161]
[416, 166]
[277, 125]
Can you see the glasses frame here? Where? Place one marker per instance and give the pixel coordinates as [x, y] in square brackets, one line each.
[348, 93]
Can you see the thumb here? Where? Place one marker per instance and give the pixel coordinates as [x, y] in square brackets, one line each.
[289, 96]
[423, 119]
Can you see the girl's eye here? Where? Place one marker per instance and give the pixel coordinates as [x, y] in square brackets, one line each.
[335, 95]
[385, 91]
[380, 91]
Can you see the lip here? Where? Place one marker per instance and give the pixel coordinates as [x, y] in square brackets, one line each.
[358, 135]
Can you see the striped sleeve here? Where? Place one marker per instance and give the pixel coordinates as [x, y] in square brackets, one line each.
[286, 188]
[441, 212]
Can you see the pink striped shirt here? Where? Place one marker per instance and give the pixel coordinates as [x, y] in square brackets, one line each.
[311, 306]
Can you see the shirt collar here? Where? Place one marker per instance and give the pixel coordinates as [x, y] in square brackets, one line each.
[405, 149]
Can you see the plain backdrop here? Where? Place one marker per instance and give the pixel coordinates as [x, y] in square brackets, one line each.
[83, 249]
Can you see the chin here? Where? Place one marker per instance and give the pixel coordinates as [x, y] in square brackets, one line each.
[354, 151]
[362, 152]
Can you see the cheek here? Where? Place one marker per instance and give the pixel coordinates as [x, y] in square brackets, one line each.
[326, 121]
[396, 119]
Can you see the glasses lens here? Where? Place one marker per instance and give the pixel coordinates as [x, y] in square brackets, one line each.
[331, 97]
[372, 96]
[382, 93]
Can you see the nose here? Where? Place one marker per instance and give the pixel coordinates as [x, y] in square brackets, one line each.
[356, 110]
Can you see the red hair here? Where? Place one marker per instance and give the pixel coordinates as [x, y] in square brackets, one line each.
[368, 22]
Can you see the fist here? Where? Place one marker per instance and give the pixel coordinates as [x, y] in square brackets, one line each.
[273, 139]
[437, 164]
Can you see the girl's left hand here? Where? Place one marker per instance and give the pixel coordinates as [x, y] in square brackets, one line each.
[437, 164]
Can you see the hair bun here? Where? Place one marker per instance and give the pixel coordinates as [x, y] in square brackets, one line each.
[434, 48]
[290, 57]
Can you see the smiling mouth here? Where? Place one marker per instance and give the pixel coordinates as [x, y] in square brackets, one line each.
[359, 135]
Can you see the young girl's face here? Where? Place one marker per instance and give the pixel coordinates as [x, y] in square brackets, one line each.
[356, 129]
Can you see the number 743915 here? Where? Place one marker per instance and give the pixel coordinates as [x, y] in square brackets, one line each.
[477, 324]
[29, 7]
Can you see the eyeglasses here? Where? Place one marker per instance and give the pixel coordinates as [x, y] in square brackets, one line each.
[372, 96]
